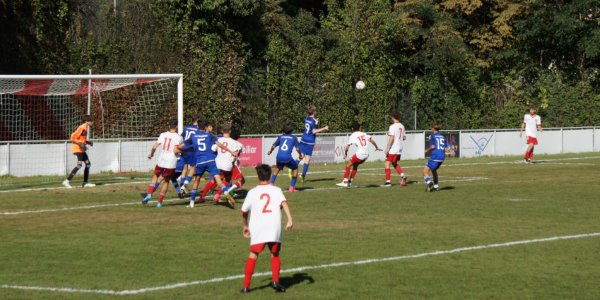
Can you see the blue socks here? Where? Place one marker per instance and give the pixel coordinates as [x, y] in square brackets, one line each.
[156, 185]
[427, 179]
[305, 170]
[193, 195]
[273, 178]
[176, 185]
[293, 183]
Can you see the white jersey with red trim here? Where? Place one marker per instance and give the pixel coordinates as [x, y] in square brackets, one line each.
[224, 159]
[168, 141]
[531, 123]
[397, 131]
[264, 204]
[361, 141]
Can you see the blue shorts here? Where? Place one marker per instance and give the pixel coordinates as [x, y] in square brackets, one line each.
[306, 149]
[189, 158]
[292, 164]
[210, 167]
[434, 165]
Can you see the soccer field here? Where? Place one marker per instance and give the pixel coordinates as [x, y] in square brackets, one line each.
[497, 229]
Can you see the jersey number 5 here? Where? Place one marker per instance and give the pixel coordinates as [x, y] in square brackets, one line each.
[265, 208]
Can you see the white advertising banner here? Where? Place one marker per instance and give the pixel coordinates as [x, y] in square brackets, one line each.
[475, 144]
[550, 142]
[134, 157]
[270, 160]
[4, 160]
[581, 140]
[413, 146]
[38, 159]
[597, 140]
[508, 143]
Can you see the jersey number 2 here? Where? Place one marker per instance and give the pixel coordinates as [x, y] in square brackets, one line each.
[268, 198]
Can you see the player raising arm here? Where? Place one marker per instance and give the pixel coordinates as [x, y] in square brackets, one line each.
[437, 146]
[358, 139]
[237, 178]
[189, 158]
[225, 162]
[261, 216]
[393, 150]
[309, 137]
[202, 143]
[80, 142]
[167, 161]
[286, 143]
[531, 123]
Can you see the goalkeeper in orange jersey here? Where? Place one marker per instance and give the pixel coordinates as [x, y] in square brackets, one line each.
[79, 138]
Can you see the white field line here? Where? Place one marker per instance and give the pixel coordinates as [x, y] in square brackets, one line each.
[339, 171]
[76, 188]
[37, 211]
[302, 268]
[92, 206]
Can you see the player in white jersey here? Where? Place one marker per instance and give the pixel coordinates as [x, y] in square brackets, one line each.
[225, 162]
[360, 140]
[531, 123]
[264, 204]
[393, 150]
[167, 161]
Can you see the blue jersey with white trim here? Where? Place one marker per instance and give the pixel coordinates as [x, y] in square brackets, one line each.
[438, 141]
[202, 142]
[286, 143]
[189, 131]
[308, 137]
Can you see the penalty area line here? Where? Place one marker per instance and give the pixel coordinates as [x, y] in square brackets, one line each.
[303, 268]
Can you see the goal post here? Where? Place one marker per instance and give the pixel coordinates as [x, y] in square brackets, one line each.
[39, 112]
[122, 104]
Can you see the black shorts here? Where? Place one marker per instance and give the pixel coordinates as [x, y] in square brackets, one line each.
[82, 156]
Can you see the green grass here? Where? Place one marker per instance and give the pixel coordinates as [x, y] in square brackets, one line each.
[134, 246]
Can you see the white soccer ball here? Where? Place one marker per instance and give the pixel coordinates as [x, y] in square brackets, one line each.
[360, 85]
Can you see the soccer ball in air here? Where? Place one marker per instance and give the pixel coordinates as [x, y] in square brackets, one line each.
[360, 85]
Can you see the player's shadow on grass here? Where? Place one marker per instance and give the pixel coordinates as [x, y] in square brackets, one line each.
[446, 188]
[289, 281]
[320, 179]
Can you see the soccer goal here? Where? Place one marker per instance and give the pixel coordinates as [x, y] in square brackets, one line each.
[39, 112]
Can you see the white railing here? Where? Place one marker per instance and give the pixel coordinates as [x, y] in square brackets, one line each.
[31, 158]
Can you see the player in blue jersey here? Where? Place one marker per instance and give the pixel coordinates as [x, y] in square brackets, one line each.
[309, 137]
[286, 142]
[189, 158]
[202, 143]
[437, 147]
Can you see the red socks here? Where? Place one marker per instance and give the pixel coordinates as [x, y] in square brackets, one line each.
[250, 264]
[399, 169]
[529, 154]
[388, 174]
[161, 197]
[275, 267]
[209, 186]
[347, 172]
[354, 172]
[151, 189]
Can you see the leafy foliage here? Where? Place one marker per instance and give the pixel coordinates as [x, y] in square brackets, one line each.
[258, 64]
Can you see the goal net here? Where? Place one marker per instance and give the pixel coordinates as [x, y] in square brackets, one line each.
[39, 113]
